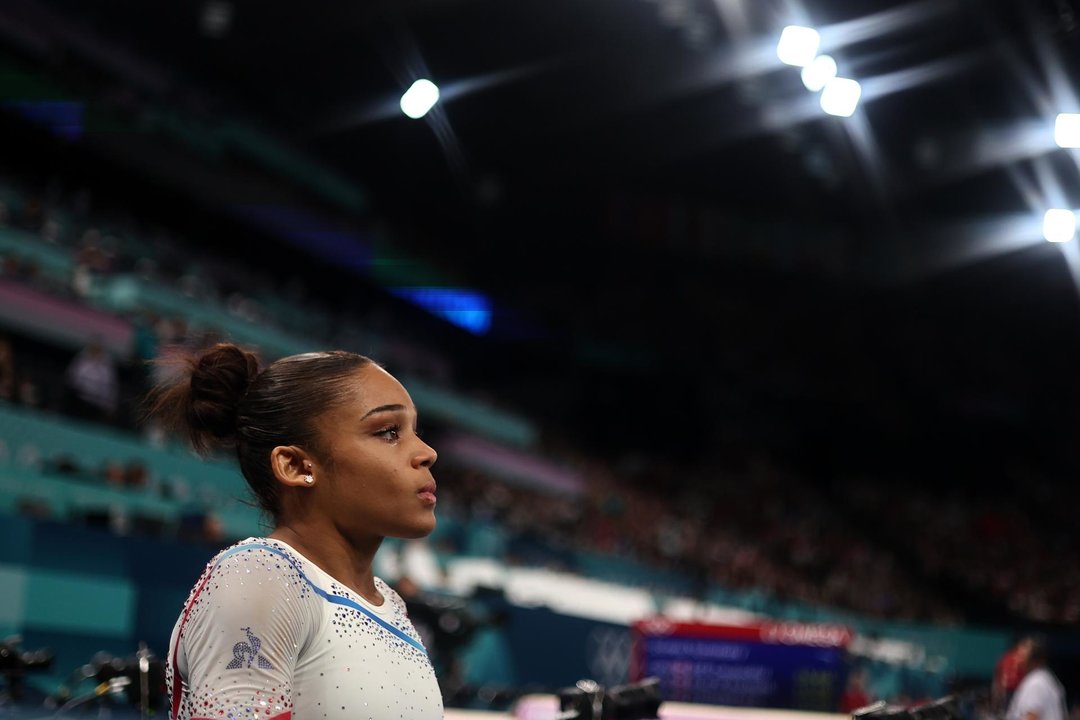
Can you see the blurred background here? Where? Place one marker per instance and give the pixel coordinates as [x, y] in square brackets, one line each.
[759, 316]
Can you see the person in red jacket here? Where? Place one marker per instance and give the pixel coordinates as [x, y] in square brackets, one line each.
[1009, 671]
[856, 694]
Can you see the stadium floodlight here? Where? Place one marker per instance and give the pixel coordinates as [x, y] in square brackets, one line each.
[798, 45]
[1059, 226]
[419, 98]
[1067, 130]
[840, 97]
[818, 73]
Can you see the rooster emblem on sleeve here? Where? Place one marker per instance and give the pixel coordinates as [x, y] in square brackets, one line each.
[245, 653]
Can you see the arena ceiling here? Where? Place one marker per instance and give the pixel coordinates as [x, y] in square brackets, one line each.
[581, 146]
[677, 97]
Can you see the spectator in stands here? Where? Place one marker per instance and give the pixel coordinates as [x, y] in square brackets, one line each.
[91, 384]
[144, 347]
[1040, 695]
[112, 472]
[136, 474]
[7, 370]
[200, 526]
[27, 392]
[328, 443]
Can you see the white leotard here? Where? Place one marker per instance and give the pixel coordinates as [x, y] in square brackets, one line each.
[266, 634]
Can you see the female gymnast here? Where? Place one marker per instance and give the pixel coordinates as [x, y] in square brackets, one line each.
[296, 623]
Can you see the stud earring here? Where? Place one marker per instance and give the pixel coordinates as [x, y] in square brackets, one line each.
[309, 479]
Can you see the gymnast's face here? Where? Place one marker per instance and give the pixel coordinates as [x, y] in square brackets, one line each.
[374, 472]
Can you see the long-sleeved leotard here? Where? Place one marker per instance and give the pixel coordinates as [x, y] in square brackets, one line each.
[267, 635]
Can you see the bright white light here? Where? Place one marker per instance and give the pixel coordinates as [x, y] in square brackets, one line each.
[1059, 226]
[840, 97]
[798, 45]
[1067, 130]
[419, 98]
[818, 73]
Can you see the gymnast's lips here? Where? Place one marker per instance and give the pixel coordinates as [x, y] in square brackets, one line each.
[427, 493]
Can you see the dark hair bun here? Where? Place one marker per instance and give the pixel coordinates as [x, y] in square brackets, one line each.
[219, 380]
[202, 394]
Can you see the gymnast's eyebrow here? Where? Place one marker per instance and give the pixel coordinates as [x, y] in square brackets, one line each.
[383, 408]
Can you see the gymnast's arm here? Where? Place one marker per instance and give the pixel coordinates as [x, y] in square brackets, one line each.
[245, 627]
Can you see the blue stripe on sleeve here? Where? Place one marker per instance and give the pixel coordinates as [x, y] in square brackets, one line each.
[336, 599]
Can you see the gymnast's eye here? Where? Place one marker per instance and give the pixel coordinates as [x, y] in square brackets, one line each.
[390, 434]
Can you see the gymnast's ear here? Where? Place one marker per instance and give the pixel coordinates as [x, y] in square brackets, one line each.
[292, 466]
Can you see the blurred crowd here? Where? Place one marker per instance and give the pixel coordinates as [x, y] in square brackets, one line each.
[103, 242]
[765, 530]
[1006, 546]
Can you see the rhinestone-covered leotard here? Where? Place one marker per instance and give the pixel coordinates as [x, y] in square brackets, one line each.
[267, 635]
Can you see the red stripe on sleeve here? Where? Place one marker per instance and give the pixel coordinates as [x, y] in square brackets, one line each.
[177, 688]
